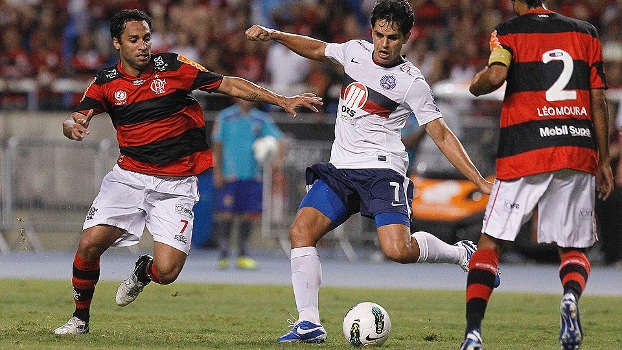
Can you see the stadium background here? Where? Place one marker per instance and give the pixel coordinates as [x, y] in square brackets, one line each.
[51, 49]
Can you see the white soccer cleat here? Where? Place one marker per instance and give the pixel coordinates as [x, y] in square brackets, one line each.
[73, 326]
[130, 288]
[470, 248]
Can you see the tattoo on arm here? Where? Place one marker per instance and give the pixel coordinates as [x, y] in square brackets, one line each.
[254, 97]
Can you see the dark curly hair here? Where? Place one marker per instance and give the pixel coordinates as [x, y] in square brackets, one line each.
[117, 24]
[394, 11]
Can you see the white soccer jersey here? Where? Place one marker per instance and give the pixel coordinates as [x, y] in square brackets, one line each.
[373, 107]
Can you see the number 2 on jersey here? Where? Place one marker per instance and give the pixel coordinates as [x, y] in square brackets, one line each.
[556, 92]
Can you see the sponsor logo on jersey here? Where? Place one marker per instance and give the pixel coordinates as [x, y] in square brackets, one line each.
[511, 207]
[563, 130]
[354, 98]
[388, 82]
[182, 239]
[120, 96]
[184, 59]
[159, 64]
[157, 86]
[91, 213]
[138, 82]
[113, 74]
[184, 209]
[585, 214]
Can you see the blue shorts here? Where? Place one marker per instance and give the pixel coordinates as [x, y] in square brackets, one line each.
[382, 194]
[242, 196]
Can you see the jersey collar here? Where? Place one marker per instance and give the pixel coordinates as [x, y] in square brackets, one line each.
[403, 60]
[538, 11]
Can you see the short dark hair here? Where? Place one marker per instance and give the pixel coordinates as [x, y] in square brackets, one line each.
[117, 24]
[394, 11]
[534, 3]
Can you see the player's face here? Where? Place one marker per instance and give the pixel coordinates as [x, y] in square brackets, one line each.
[134, 47]
[388, 41]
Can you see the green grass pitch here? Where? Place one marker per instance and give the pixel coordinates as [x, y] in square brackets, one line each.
[209, 316]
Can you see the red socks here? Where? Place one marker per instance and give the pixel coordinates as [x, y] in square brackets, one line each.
[480, 283]
[574, 271]
[85, 277]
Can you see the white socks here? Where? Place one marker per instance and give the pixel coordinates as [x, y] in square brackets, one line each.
[434, 250]
[306, 280]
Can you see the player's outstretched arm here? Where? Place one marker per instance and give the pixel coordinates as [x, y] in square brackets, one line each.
[451, 147]
[76, 126]
[303, 45]
[242, 88]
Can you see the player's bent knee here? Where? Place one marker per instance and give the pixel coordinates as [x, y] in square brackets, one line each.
[166, 274]
[300, 237]
[167, 277]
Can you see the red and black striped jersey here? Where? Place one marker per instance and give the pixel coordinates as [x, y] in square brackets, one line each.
[546, 118]
[160, 125]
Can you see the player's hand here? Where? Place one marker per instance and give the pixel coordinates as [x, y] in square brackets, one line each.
[485, 187]
[604, 181]
[76, 127]
[259, 33]
[308, 100]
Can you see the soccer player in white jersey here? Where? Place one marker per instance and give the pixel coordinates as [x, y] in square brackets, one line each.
[367, 168]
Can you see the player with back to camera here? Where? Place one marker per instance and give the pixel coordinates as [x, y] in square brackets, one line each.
[553, 153]
[163, 145]
[367, 168]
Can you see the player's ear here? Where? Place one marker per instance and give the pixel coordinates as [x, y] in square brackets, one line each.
[116, 43]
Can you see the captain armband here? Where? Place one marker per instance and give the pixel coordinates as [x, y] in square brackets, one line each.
[500, 55]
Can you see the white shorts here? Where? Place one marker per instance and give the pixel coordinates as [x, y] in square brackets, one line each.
[565, 204]
[130, 201]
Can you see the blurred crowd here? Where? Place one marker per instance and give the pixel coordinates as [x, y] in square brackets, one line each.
[45, 42]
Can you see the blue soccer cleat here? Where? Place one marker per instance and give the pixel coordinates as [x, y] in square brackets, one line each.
[304, 332]
[470, 249]
[472, 341]
[571, 333]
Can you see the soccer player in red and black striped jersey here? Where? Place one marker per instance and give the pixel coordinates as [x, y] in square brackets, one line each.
[163, 145]
[553, 152]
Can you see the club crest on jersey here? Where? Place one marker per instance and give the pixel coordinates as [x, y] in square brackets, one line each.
[354, 98]
[157, 86]
[388, 82]
[121, 97]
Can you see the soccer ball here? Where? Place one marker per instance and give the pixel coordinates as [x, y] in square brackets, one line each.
[265, 148]
[366, 324]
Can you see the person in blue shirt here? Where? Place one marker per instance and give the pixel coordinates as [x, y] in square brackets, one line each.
[237, 175]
